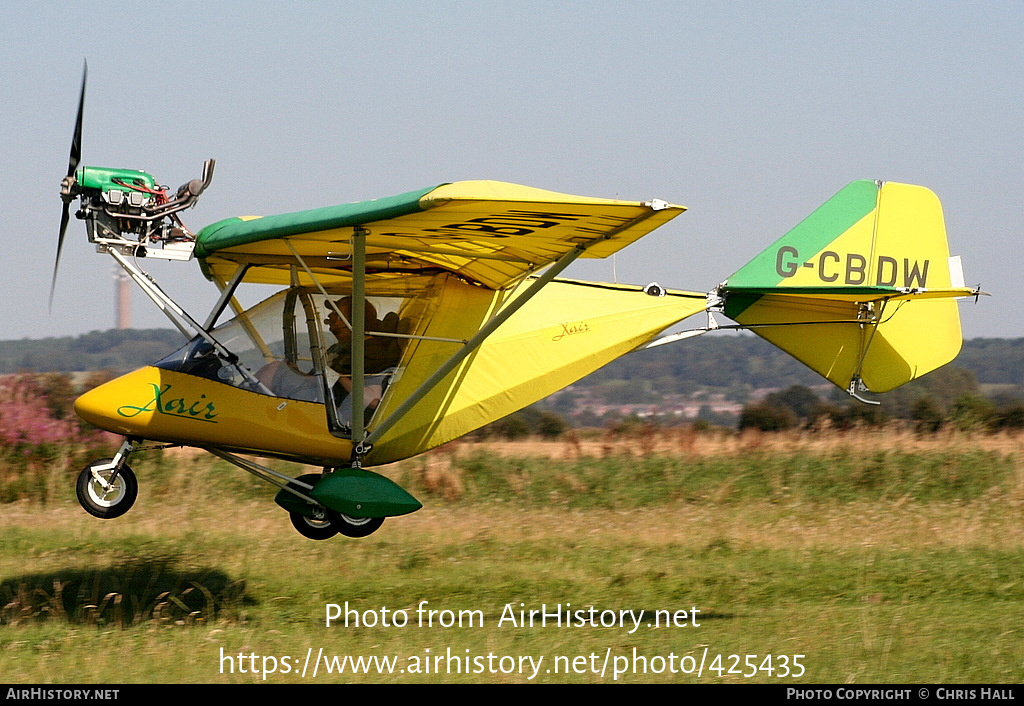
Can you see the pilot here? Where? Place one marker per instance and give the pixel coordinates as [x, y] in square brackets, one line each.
[380, 353]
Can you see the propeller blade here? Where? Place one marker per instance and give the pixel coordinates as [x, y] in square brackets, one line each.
[76, 141]
[64, 218]
[67, 187]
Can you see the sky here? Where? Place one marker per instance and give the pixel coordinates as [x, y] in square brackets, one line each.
[751, 114]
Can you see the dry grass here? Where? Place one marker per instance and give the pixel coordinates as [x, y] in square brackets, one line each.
[896, 456]
[762, 524]
[687, 441]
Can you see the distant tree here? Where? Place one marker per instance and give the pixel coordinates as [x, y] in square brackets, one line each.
[849, 414]
[766, 417]
[121, 350]
[512, 427]
[927, 415]
[994, 360]
[972, 413]
[944, 386]
[630, 426]
[800, 400]
[551, 425]
[1010, 416]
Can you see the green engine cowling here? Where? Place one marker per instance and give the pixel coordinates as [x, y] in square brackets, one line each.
[117, 187]
[108, 179]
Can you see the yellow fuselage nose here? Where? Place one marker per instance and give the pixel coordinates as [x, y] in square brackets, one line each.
[164, 405]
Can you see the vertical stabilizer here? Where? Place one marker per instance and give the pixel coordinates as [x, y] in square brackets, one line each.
[862, 291]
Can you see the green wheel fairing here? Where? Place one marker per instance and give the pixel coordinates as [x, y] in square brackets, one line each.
[360, 493]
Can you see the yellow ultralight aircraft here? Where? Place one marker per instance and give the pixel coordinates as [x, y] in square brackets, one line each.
[399, 324]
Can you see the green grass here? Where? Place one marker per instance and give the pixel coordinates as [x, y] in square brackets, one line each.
[885, 567]
[841, 475]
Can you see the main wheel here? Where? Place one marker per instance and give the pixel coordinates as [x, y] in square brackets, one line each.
[354, 526]
[312, 528]
[105, 500]
[317, 526]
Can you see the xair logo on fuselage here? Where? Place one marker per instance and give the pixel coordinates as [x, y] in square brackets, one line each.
[852, 268]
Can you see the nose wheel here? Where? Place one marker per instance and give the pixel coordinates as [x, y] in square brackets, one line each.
[106, 492]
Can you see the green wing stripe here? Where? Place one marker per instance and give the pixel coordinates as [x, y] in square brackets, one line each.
[828, 222]
[238, 231]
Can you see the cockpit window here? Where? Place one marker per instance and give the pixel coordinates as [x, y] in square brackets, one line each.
[261, 340]
[198, 357]
[295, 346]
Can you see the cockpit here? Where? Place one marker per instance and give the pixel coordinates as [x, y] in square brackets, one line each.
[298, 345]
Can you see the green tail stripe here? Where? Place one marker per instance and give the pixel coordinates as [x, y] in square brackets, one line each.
[736, 304]
[828, 222]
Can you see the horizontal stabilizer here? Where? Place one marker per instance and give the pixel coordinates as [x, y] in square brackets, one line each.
[863, 290]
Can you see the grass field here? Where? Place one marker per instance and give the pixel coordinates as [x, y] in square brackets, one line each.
[868, 557]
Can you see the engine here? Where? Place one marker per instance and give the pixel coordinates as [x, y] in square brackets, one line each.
[127, 209]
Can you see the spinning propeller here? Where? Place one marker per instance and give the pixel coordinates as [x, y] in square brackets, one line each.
[67, 185]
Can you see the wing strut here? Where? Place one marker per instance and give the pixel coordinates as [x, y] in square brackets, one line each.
[178, 316]
[227, 293]
[358, 343]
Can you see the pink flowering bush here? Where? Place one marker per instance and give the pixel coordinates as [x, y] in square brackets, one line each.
[26, 418]
[42, 442]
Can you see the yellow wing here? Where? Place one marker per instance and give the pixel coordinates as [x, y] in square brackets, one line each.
[486, 232]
